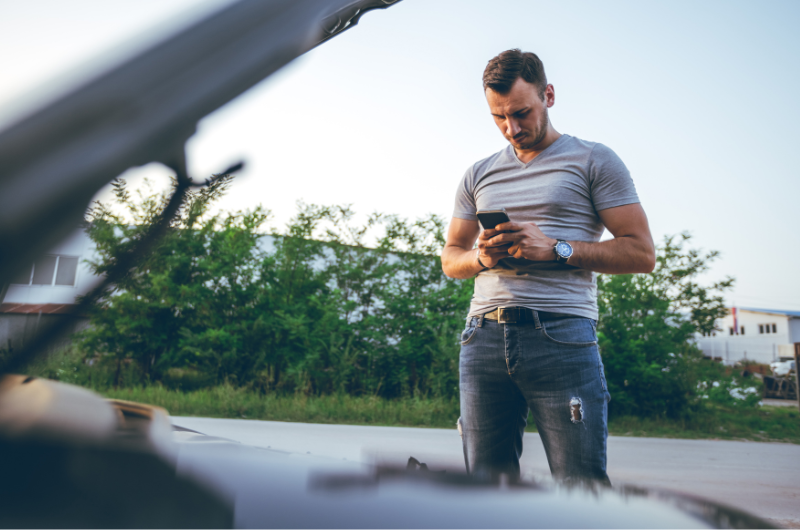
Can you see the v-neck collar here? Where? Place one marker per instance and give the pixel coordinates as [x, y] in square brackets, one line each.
[522, 164]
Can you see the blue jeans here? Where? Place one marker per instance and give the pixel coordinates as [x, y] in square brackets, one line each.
[553, 367]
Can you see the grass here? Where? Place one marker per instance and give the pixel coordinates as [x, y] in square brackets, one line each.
[231, 402]
[764, 424]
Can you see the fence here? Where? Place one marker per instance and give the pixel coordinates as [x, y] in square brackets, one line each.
[744, 349]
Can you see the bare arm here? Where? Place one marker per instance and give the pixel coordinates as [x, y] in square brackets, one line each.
[460, 259]
[631, 251]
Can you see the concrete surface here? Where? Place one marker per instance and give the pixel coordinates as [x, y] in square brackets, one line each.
[761, 478]
[780, 402]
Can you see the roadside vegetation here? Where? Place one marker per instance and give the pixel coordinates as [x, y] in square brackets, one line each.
[336, 322]
[760, 424]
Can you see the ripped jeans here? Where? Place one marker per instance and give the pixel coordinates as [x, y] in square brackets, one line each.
[553, 367]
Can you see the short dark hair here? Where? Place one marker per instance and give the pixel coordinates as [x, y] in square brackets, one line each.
[510, 65]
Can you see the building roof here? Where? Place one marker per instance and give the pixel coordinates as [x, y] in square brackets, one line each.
[45, 309]
[773, 311]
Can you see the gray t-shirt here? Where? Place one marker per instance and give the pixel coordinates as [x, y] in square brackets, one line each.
[561, 190]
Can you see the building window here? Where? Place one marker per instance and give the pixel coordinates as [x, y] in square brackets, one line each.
[67, 269]
[741, 330]
[49, 270]
[43, 270]
[731, 330]
[24, 276]
[767, 328]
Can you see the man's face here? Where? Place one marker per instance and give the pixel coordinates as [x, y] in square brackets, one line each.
[521, 115]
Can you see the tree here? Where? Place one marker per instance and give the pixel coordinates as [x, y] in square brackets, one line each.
[318, 313]
[647, 323]
[185, 293]
[399, 314]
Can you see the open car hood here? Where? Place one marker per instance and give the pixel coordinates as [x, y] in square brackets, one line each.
[143, 110]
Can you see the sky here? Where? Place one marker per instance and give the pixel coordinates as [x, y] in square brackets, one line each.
[697, 98]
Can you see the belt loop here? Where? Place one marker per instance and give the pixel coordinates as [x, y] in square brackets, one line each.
[536, 319]
[480, 320]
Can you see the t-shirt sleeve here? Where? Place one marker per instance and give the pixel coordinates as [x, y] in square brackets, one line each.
[610, 180]
[465, 207]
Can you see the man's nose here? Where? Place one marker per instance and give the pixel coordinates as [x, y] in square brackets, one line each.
[513, 127]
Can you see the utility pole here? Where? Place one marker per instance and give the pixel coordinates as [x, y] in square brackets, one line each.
[797, 372]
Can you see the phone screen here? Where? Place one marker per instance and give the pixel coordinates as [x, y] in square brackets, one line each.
[491, 218]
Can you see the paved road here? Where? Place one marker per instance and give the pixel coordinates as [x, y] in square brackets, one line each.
[780, 402]
[761, 478]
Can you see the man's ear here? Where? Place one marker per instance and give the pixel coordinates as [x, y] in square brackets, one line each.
[550, 95]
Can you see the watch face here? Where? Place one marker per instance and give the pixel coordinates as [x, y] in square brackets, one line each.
[564, 249]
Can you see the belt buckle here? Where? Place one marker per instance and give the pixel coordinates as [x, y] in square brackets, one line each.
[501, 312]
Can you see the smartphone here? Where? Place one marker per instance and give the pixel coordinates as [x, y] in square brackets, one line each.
[491, 218]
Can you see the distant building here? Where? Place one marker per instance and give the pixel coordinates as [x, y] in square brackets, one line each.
[45, 290]
[761, 335]
[48, 289]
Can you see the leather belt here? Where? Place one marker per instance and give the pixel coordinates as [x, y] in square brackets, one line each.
[511, 315]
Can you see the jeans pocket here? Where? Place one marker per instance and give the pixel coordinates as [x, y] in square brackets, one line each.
[469, 332]
[575, 331]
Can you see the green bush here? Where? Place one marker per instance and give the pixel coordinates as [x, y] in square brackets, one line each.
[729, 387]
[317, 314]
[646, 330]
[320, 314]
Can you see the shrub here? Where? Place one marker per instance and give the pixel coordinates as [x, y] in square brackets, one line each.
[646, 330]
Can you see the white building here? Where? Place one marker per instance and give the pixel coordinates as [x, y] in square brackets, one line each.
[46, 290]
[761, 335]
[49, 287]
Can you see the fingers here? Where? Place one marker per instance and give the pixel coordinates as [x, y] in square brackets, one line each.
[495, 249]
[499, 250]
[489, 233]
[508, 227]
[507, 237]
[502, 227]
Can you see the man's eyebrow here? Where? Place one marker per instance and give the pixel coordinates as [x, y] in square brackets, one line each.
[515, 112]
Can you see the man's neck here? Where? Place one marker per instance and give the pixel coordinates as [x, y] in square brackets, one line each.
[526, 155]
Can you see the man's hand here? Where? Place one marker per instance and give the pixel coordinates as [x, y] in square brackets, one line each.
[491, 253]
[520, 240]
[631, 251]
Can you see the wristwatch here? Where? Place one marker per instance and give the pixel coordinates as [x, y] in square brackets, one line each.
[563, 251]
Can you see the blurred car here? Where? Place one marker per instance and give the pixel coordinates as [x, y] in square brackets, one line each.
[72, 459]
[782, 384]
[782, 368]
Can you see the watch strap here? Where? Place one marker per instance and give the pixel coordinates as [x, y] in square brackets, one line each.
[478, 257]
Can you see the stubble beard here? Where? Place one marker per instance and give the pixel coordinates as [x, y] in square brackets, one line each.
[541, 133]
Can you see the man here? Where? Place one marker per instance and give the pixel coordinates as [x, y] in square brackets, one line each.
[530, 340]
